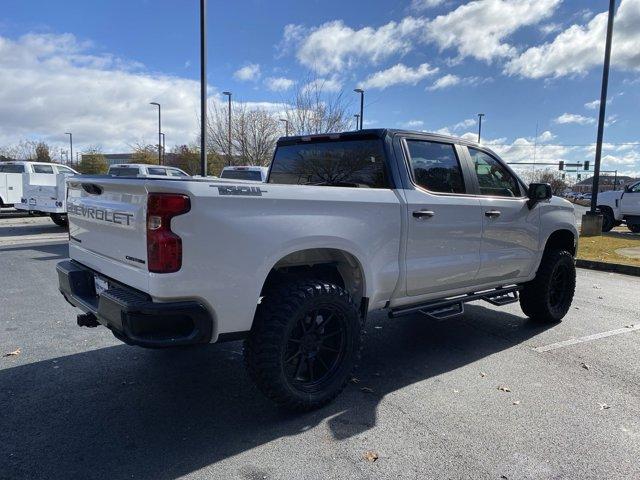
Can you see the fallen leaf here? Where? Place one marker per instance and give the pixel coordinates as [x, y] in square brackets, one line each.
[367, 390]
[504, 389]
[15, 353]
[517, 402]
[604, 406]
[370, 456]
[585, 366]
[482, 374]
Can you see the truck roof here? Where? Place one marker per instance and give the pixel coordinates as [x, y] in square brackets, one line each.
[370, 133]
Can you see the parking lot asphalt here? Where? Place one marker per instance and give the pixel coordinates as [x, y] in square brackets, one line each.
[488, 395]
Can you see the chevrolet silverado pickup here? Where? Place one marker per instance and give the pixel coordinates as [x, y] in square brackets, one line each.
[619, 206]
[346, 224]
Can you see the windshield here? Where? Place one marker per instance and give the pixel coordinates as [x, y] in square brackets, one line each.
[242, 175]
[341, 163]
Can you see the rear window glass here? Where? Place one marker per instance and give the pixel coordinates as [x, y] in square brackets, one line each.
[123, 171]
[346, 163]
[242, 175]
[12, 168]
[156, 171]
[42, 169]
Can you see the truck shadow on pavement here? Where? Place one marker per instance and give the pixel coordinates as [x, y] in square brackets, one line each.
[120, 411]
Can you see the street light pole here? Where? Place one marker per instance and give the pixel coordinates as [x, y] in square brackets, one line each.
[159, 131]
[603, 106]
[70, 144]
[203, 88]
[361, 92]
[357, 116]
[228, 94]
[480, 115]
[286, 126]
[163, 148]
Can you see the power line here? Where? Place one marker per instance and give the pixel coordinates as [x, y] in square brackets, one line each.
[560, 144]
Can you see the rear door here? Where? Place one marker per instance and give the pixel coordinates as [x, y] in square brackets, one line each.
[630, 201]
[510, 230]
[444, 222]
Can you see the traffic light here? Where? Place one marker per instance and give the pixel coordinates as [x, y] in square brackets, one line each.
[561, 165]
[579, 177]
[586, 165]
[563, 175]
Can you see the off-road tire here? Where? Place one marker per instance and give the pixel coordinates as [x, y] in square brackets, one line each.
[608, 219]
[282, 313]
[544, 299]
[60, 219]
[634, 228]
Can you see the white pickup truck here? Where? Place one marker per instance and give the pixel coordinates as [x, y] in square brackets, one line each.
[621, 206]
[346, 224]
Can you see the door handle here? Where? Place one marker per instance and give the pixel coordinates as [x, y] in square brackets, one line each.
[420, 214]
[492, 213]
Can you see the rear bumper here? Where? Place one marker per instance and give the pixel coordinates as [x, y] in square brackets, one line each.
[131, 315]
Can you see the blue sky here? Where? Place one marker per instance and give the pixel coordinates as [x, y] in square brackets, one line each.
[425, 64]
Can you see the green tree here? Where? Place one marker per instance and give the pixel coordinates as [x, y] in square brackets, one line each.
[93, 162]
[147, 154]
[42, 152]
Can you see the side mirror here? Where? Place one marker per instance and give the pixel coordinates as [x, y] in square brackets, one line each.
[539, 192]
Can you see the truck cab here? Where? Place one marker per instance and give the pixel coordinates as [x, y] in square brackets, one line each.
[621, 206]
[145, 170]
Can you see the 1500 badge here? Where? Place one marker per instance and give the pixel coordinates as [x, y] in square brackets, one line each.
[240, 190]
[100, 214]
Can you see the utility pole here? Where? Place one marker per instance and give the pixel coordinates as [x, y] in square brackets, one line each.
[159, 131]
[592, 222]
[286, 126]
[357, 116]
[228, 94]
[163, 149]
[203, 88]
[70, 144]
[361, 92]
[480, 115]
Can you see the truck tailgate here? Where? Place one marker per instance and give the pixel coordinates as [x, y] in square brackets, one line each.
[107, 227]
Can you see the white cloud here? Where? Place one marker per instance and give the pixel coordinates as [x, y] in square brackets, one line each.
[581, 47]
[278, 84]
[53, 84]
[414, 124]
[550, 28]
[567, 118]
[451, 80]
[421, 5]
[466, 123]
[479, 29]
[546, 136]
[592, 105]
[334, 46]
[250, 72]
[399, 74]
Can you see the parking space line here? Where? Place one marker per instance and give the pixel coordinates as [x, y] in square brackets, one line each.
[588, 338]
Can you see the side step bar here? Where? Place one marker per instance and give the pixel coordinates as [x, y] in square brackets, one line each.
[451, 307]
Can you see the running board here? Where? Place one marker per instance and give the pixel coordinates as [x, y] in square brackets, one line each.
[453, 307]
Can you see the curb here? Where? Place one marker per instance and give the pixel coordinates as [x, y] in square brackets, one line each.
[608, 267]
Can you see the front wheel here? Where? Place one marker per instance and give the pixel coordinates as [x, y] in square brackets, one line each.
[548, 296]
[304, 344]
[608, 219]
[60, 219]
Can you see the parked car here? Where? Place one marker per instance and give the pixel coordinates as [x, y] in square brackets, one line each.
[257, 174]
[144, 170]
[618, 206]
[346, 224]
[36, 187]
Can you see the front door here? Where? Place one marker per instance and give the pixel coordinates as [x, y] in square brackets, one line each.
[630, 201]
[444, 223]
[510, 229]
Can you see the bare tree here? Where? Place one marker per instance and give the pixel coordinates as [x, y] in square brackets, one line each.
[553, 178]
[313, 109]
[42, 152]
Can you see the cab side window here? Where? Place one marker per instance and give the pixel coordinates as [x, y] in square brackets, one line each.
[494, 179]
[42, 169]
[435, 166]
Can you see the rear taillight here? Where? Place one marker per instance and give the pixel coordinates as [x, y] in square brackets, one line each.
[164, 248]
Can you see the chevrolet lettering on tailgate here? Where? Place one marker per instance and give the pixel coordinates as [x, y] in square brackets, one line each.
[101, 214]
